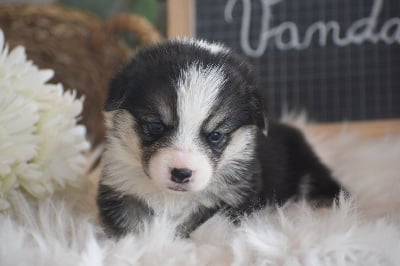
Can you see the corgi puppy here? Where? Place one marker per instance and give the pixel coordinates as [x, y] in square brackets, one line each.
[187, 137]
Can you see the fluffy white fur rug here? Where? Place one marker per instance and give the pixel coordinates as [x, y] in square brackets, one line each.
[362, 231]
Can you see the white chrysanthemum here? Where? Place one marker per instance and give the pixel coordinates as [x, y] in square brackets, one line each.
[41, 146]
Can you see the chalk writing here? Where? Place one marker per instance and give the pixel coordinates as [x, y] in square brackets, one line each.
[286, 35]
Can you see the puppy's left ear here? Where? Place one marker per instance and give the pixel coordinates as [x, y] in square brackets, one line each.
[119, 86]
[245, 70]
[258, 110]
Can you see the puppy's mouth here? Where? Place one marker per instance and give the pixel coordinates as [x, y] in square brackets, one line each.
[178, 188]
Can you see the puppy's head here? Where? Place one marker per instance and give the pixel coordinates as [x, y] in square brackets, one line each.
[188, 113]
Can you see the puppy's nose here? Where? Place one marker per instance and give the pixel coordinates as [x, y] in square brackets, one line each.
[181, 175]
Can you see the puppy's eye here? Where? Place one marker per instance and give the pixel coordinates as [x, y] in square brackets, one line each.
[155, 128]
[215, 137]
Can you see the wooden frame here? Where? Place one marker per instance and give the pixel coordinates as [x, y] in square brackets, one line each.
[181, 22]
[180, 18]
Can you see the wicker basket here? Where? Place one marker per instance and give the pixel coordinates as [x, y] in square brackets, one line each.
[83, 50]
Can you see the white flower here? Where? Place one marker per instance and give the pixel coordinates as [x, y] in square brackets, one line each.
[41, 146]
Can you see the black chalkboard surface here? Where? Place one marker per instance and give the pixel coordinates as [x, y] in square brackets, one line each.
[336, 59]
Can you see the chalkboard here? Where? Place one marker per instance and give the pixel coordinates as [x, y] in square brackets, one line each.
[335, 59]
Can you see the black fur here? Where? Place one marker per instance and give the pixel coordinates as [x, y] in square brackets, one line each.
[284, 160]
[287, 160]
[117, 211]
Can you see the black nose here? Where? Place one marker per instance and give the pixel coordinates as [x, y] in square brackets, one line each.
[181, 175]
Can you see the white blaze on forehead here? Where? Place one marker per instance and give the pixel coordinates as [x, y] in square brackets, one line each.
[212, 47]
[197, 90]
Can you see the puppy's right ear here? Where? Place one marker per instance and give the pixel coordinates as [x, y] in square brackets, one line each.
[258, 110]
[118, 87]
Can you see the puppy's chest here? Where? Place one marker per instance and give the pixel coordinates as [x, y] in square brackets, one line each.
[178, 209]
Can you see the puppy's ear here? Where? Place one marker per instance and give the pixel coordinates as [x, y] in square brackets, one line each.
[118, 87]
[245, 69]
[258, 110]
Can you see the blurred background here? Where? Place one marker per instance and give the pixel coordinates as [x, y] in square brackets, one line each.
[153, 10]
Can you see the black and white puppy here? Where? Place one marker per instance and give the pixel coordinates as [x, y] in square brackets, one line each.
[187, 138]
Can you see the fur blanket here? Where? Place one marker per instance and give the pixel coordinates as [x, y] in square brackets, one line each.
[363, 230]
